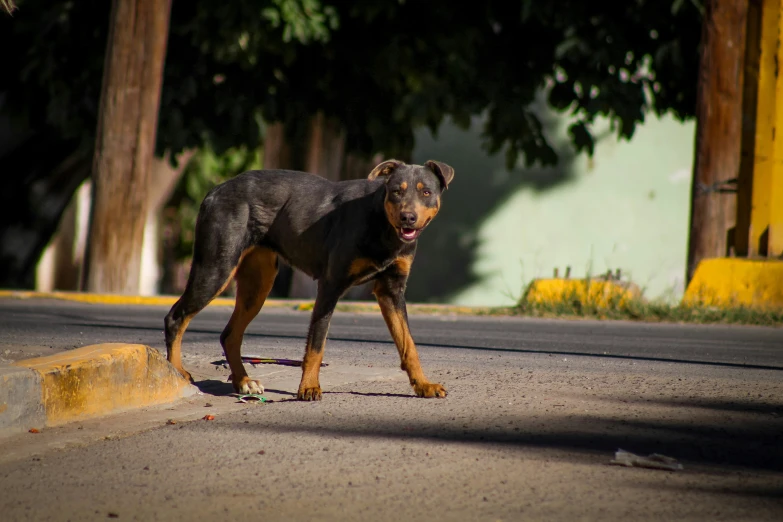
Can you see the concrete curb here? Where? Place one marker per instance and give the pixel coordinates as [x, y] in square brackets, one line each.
[294, 304]
[83, 383]
[21, 405]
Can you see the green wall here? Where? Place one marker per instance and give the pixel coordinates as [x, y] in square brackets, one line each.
[626, 208]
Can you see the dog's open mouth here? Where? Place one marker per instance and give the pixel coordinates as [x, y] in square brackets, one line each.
[409, 234]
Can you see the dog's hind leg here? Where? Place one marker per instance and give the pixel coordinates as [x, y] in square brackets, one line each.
[254, 276]
[207, 280]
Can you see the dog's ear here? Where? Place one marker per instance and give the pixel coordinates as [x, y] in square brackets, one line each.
[443, 171]
[385, 168]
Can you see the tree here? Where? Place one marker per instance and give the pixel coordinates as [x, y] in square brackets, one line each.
[51, 100]
[388, 68]
[125, 144]
[391, 68]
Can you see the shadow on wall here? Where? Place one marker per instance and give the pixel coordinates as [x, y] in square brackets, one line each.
[448, 249]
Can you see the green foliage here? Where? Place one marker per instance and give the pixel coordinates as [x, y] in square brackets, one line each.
[204, 171]
[583, 305]
[392, 67]
[210, 87]
[624, 62]
[381, 68]
[303, 20]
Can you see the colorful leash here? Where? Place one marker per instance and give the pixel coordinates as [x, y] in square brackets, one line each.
[255, 359]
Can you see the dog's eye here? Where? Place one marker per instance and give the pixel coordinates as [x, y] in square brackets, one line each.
[396, 193]
[426, 193]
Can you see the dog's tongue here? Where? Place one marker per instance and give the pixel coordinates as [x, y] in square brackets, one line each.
[408, 233]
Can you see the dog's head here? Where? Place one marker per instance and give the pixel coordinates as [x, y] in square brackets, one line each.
[412, 194]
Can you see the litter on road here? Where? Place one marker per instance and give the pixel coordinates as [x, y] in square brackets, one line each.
[652, 461]
[250, 397]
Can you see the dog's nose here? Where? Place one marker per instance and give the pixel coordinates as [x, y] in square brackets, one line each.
[407, 218]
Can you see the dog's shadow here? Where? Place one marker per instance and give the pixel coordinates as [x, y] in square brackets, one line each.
[214, 387]
[222, 389]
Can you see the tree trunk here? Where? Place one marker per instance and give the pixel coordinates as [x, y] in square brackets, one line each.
[325, 152]
[277, 153]
[61, 265]
[164, 179]
[125, 143]
[719, 130]
[357, 167]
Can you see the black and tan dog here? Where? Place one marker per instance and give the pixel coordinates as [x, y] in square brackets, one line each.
[342, 234]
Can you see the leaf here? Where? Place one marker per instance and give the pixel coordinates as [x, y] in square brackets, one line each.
[562, 96]
[582, 138]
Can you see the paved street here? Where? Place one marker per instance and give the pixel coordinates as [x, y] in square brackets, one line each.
[535, 412]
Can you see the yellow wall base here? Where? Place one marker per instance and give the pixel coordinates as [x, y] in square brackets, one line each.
[729, 282]
[595, 291]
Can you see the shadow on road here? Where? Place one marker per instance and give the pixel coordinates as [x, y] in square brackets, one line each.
[214, 387]
[751, 445]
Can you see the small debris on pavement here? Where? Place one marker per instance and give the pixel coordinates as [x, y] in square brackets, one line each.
[209, 417]
[33, 430]
[171, 421]
[208, 405]
[250, 397]
[262, 452]
[652, 461]
[114, 515]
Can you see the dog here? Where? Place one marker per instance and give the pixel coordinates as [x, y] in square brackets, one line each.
[339, 233]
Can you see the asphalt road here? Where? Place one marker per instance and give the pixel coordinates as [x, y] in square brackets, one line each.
[42, 327]
[535, 412]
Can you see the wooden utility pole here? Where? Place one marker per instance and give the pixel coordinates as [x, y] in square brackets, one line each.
[125, 143]
[719, 130]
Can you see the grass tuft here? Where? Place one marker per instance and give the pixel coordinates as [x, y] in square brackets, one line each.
[580, 304]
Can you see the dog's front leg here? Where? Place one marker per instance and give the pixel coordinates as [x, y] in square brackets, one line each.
[325, 301]
[390, 291]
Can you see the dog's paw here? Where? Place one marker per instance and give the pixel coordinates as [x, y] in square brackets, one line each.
[182, 371]
[429, 390]
[309, 394]
[246, 385]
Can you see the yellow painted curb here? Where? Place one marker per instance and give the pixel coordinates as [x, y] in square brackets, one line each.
[105, 378]
[595, 291]
[83, 297]
[303, 305]
[729, 282]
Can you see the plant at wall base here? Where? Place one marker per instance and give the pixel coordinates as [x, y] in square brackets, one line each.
[588, 301]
